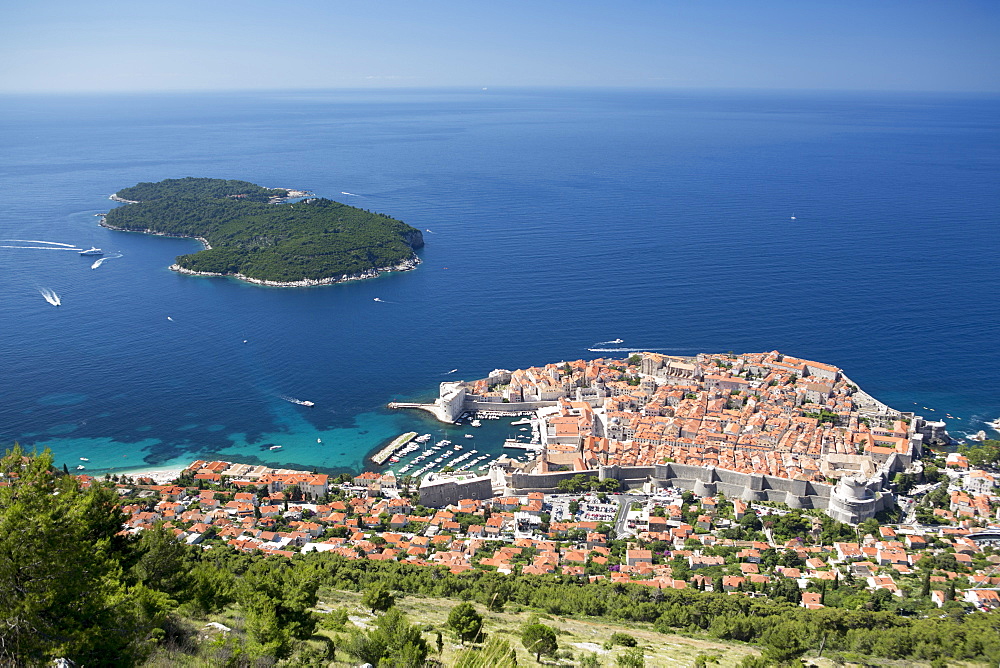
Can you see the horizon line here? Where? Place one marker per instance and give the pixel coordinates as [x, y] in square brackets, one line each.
[502, 87]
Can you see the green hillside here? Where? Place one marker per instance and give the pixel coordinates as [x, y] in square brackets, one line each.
[193, 187]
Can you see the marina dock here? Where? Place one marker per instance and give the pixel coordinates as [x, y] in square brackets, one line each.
[517, 445]
[382, 455]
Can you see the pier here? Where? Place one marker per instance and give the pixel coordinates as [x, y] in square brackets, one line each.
[398, 442]
[517, 445]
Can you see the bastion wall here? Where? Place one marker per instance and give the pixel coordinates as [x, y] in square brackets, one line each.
[852, 501]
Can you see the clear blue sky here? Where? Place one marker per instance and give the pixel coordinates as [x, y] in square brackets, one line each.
[103, 45]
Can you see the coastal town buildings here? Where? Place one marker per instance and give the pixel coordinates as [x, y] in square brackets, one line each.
[650, 470]
[761, 426]
[666, 538]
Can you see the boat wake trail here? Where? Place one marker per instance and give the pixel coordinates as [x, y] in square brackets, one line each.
[100, 260]
[293, 400]
[450, 372]
[632, 350]
[50, 296]
[344, 192]
[36, 241]
[45, 248]
[604, 343]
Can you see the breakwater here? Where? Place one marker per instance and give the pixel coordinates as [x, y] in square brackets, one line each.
[382, 455]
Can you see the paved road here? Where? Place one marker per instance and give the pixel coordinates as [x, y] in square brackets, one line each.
[625, 502]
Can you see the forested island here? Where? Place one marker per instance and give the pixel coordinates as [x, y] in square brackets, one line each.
[254, 234]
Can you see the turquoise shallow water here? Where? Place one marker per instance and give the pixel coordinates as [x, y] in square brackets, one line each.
[556, 219]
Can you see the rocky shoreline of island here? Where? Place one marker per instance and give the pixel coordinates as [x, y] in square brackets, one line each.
[406, 265]
[290, 193]
[104, 223]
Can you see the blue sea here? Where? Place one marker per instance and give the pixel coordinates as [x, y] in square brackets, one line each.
[855, 229]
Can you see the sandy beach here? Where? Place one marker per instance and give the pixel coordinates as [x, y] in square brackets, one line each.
[161, 476]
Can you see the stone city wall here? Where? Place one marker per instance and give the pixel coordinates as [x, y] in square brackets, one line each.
[441, 493]
[451, 400]
[708, 481]
[629, 476]
[518, 407]
[856, 505]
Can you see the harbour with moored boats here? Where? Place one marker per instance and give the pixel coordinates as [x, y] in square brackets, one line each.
[474, 442]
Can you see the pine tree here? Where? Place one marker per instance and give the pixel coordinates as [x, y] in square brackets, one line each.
[276, 598]
[393, 638]
[378, 598]
[465, 621]
[61, 570]
[539, 639]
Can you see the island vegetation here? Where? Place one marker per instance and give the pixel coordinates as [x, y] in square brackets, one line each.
[253, 233]
[200, 187]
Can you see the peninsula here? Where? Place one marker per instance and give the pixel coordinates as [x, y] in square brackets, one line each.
[756, 426]
[255, 234]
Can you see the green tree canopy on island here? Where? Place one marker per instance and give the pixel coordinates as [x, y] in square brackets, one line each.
[316, 239]
[195, 187]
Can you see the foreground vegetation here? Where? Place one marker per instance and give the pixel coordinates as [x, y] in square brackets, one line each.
[249, 235]
[77, 587]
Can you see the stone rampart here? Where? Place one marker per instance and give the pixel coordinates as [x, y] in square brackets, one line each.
[629, 476]
[851, 503]
[440, 492]
[451, 400]
[708, 481]
[517, 407]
